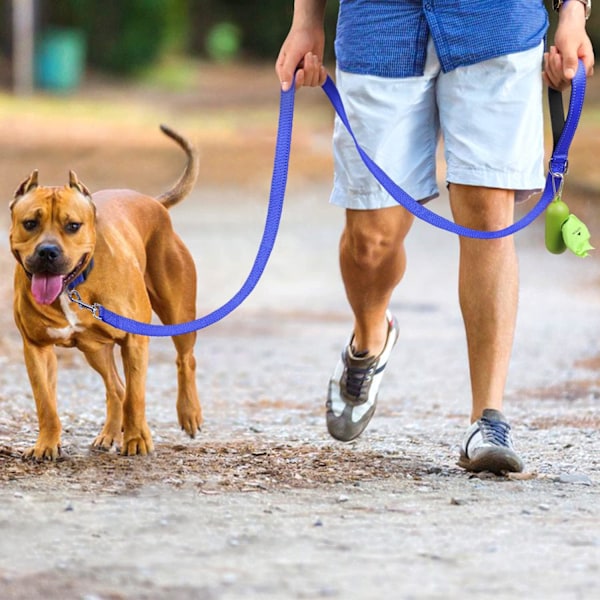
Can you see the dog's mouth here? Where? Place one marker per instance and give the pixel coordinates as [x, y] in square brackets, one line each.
[47, 287]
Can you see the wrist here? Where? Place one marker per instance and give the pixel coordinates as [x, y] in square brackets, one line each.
[562, 6]
[309, 14]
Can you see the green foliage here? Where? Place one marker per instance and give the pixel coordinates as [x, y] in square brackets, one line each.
[126, 36]
[263, 25]
[223, 42]
[123, 36]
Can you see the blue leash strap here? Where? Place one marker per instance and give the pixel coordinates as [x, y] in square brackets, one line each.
[558, 165]
[273, 218]
[557, 169]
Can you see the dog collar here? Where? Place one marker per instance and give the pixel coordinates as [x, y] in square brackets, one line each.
[82, 276]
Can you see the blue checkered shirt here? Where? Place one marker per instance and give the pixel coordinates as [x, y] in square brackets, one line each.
[389, 38]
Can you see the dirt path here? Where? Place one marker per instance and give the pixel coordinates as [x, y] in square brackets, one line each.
[263, 504]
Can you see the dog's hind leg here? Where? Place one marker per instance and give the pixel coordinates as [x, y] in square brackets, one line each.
[103, 361]
[189, 411]
[173, 299]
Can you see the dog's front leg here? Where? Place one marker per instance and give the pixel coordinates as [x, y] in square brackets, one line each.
[41, 366]
[103, 361]
[136, 434]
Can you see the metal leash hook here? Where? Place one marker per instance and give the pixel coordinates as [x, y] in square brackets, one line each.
[93, 308]
[557, 189]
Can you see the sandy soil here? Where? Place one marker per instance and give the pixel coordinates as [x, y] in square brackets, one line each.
[263, 504]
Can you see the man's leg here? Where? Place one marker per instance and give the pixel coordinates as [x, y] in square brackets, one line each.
[372, 262]
[488, 290]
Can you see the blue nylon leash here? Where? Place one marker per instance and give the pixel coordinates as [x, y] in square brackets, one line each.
[554, 180]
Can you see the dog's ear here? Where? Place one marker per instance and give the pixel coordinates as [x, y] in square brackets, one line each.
[77, 185]
[26, 186]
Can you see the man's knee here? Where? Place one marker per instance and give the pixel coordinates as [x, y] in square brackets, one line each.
[372, 237]
[486, 209]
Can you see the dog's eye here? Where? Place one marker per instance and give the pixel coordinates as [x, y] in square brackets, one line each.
[30, 224]
[72, 227]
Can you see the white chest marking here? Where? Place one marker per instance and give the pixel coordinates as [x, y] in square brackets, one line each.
[73, 326]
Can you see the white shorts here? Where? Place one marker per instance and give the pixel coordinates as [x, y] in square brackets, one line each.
[489, 115]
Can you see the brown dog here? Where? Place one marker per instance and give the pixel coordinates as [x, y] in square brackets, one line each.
[122, 244]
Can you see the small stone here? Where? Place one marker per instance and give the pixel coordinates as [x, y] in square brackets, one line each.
[574, 478]
[229, 578]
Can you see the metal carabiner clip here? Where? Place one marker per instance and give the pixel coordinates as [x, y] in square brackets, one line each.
[93, 308]
[557, 189]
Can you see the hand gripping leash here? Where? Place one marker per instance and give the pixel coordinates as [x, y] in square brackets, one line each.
[556, 172]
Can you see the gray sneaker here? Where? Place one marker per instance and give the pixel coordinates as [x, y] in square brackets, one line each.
[487, 446]
[353, 387]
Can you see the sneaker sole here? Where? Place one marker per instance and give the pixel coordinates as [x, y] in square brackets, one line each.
[342, 428]
[495, 460]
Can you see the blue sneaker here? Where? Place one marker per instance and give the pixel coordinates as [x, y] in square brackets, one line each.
[353, 387]
[487, 446]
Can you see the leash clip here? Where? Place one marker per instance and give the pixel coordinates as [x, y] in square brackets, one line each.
[93, 308]
[557, 188]
[558, 166]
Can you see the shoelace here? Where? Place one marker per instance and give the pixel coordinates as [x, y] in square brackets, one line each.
[356, 378]
[495, 432]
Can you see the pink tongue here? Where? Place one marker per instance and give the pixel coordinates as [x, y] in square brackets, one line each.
[46, 288]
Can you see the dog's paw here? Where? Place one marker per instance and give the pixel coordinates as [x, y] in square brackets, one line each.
[138, 443]
[191, 425]
[107, 439]
[190, 419]
[41, 452]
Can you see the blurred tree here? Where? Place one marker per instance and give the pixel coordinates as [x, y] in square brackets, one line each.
[123, 35]
[262, 25]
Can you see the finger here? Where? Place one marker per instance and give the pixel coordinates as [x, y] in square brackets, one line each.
[286, 69]
[322, 75]
[307, 66]
[284, 73]
[570, 61]
[315, 74]
[588, 61]
[554, 83]
[561, 76]
[552, 74]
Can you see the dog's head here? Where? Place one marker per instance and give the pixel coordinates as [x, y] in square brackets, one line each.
[53, 234]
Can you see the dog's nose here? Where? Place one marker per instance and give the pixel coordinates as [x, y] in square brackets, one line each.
[48, 252]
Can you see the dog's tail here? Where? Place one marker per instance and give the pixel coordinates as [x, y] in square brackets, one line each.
[186, 182]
